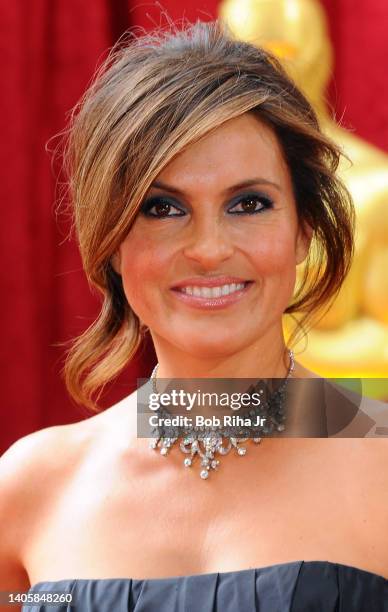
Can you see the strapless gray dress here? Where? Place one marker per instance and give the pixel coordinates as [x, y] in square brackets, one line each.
[299, 586]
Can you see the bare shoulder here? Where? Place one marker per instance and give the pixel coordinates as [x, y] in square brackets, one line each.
[45, 449]
[45, 455]
[43, 459]
[29, 474]
[365, 479]
[36, 466]
[36, 446]
[35, 463]
[40, 468]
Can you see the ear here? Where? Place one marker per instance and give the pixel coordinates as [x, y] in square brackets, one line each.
[115, 261]
[303, 241]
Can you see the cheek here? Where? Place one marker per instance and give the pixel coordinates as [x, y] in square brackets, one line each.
[273, 254]
[143, 260]
[274, 260]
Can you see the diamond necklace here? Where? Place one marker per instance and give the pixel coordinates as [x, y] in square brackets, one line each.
[206, 443]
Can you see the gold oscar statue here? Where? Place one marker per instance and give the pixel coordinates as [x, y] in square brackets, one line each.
[351, 340]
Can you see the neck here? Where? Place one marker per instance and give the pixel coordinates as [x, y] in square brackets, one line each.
[267, 357]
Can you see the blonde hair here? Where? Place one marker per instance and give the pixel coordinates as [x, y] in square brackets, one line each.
[154, 96]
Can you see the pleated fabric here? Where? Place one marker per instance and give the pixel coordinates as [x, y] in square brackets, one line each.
[299, 586]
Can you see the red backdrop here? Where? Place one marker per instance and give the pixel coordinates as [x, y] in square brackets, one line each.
[49, 52]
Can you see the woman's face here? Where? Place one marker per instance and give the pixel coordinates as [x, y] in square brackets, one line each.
[209, 264]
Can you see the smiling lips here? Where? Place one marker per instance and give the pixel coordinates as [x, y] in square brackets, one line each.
[215, 292]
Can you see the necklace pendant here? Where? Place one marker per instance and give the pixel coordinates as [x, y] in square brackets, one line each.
[207, 444]
[206, 447]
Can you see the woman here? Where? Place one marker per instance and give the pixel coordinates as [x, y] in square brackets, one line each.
[200, 181]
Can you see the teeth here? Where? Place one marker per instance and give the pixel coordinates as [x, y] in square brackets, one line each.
[213, 292]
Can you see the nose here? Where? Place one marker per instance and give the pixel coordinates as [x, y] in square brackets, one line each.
[209, 244]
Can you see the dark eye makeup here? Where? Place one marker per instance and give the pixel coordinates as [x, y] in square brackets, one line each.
[162, 207]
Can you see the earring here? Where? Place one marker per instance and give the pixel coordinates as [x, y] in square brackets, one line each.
[143, 329]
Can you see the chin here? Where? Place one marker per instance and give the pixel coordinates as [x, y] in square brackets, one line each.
[214, 344]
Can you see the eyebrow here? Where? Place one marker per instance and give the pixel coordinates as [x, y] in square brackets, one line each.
[228, 190]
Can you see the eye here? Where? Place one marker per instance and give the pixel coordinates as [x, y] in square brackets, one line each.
[161, 208]
[251, 204]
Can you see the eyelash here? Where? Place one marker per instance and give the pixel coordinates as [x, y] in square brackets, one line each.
[152, 202]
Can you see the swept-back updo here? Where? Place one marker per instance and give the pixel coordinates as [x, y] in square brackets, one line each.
[153, 96]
